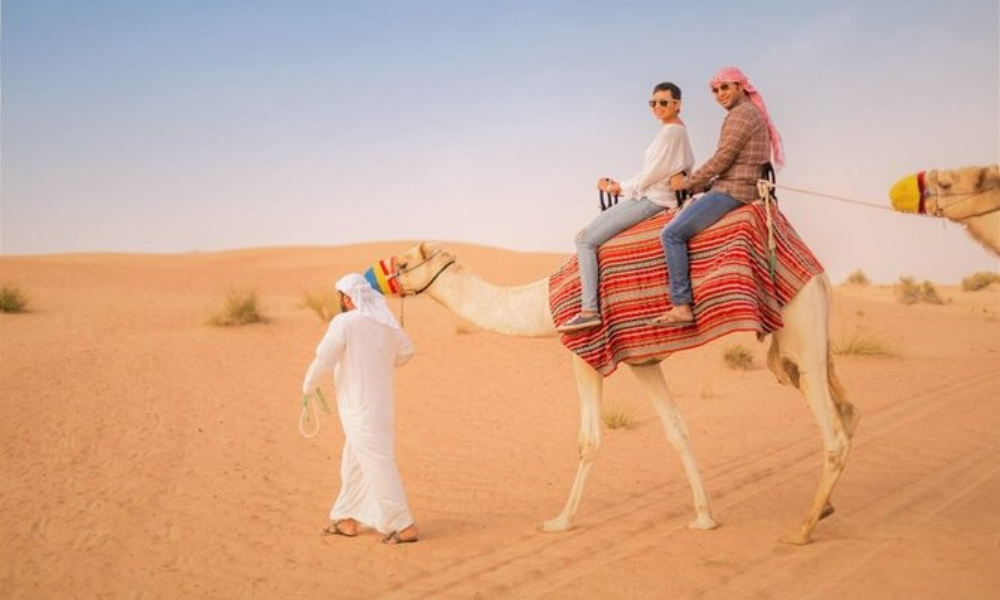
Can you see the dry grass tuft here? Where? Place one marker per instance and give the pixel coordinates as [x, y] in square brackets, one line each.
[908, 291]
[12, 299]
[325, 303]
[980, 281]
[240, 307]
[857, 278]
[738, 358]
[862, 345]
[617, 418]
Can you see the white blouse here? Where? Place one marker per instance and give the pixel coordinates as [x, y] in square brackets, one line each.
[668, 154]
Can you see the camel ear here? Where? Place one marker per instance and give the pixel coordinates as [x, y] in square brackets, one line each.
[427, 249]
[989, 178]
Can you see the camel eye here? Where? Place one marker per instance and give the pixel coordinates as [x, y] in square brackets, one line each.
[401, 264]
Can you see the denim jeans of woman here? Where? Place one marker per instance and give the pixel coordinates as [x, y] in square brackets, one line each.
[697, 216]
[607, 225]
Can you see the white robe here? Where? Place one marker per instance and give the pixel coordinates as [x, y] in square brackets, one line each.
[362, 352]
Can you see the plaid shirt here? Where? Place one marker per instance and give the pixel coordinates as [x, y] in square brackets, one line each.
[744, 145]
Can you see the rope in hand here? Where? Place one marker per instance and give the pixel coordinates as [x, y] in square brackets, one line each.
[304, 415]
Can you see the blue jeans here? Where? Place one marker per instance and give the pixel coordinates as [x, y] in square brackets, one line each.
[605, 226]
[698, 216]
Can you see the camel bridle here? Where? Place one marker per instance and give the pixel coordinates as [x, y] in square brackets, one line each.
[939, 209]
[399, 272]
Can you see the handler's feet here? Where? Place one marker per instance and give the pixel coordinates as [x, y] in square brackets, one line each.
[344, 527]
[678, 316]
[584, 320]
[403, 536]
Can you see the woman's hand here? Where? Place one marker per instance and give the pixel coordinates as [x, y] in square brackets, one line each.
[678, 182]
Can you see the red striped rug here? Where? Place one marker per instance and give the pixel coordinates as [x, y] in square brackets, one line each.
[733, 287]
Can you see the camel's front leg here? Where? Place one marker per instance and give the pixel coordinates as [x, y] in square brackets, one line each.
[589, 384]
[651, 378]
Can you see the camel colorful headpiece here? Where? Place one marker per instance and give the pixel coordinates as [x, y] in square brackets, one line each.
[382, 277]
[908, 194]
[734, 75]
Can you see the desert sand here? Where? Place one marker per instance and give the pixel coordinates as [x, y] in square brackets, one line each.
[147, 454]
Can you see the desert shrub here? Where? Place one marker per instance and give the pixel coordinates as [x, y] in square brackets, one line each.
[12, 299]
[929, 293]
[617, 418]
[857, 278]
[325, 303]
[980, 281]
[738, 358]
[862, 345]
[240, 307]
[908, 291]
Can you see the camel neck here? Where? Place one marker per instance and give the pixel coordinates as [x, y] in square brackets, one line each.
[521, 310]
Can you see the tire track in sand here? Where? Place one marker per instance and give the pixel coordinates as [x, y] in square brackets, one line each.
[537, 564]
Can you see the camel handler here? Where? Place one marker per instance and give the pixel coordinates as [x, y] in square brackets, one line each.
[360, 348]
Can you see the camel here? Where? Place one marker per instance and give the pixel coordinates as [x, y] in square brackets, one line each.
[799, 355]
[970, 196]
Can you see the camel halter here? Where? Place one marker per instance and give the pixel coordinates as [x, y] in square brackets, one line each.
[400, 272]
[385, 276]
[939, 209]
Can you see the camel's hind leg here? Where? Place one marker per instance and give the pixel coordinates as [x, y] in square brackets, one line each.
[651, 378]
[590, 385]
[800, 356]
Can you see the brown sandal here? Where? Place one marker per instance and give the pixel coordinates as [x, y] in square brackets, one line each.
[334, 529]
[669, 319]
[394, 538]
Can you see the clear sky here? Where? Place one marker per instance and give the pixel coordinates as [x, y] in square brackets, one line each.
[197, 125]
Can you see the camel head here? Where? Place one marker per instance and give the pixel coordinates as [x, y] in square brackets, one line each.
[955, 194]
[411, 272]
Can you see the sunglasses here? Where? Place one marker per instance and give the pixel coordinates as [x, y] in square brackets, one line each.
[662, 103]
[724, 87]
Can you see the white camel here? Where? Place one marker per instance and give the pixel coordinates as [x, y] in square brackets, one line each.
[799, 355]
[970, 196]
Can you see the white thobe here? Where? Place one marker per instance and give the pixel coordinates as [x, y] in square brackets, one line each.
[362, 352]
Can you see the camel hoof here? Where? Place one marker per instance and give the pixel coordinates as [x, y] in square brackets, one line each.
[704, 522]
[555, 525]
[827, 511]
[796, 539]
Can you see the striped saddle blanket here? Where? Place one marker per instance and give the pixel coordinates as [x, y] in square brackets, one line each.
[730, 276]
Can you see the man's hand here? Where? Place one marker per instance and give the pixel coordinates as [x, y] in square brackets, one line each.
[606, 184]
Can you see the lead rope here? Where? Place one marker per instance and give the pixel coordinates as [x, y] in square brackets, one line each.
[821, 195]
[764, 188]
[304, 415]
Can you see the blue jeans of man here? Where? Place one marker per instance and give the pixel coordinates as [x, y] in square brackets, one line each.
[605, 226]
[697, 216]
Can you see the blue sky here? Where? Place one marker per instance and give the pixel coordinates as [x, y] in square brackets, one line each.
[176, 126]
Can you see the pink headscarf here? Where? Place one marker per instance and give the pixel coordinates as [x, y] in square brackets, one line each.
[734, 75]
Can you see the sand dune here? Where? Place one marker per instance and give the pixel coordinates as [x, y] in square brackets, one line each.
[146, 454]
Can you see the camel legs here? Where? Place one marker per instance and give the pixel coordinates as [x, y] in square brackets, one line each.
[651, 378]
[800, 356]
[590, 385]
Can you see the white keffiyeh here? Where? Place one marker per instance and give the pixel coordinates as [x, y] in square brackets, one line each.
[367, 301]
